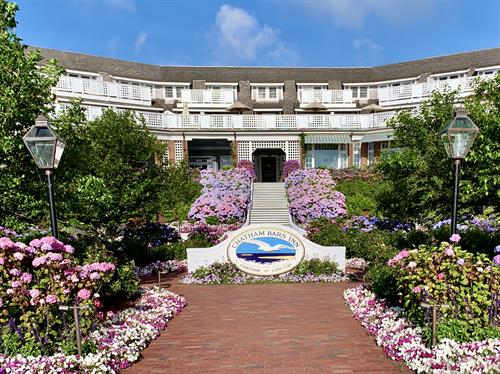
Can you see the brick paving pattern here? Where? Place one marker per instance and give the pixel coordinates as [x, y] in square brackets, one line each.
[270, 328]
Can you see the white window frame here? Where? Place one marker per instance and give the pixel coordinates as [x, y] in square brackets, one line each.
[356, 154]
[370, 159]
[263, 93]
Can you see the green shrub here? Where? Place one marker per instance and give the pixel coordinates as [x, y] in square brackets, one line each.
[316, 266]
[367, 245]
[459, 330]
[361, 195]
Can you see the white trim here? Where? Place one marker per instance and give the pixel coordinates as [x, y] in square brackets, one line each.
[206, 137]
[380, 82]
[267, 84]
[151, 82]
[70, 71]
[112, 105]
[449, 73]
[312, 84]
[268, 109]
[488, 68]
[220, 84]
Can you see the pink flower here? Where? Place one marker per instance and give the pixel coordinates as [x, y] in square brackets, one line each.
[461, 261]
[2, 260]
[416, 289]
[1, 303]
[69, 249]
[412, 265]
[440, 276]
[94, 276]
[449, 251]
[19, 256]
[455, 238]
[34, 293]
[84, 294]
[26, 277]
[15, 284]
[51, 299]
[15, 272]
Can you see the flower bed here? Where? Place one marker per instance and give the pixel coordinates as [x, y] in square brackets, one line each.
[162, 266]
[403, 342]
[313, 270]
[119, 340]
[225, 197]
[312, 195]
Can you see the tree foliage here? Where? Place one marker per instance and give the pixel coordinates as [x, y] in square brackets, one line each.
[25, 92]
[110, 170]
[419, 172]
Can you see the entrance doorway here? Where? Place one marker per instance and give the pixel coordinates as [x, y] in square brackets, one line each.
[268, 164]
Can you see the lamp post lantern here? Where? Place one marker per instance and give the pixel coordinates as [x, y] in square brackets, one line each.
[46, 148]
[457, 138]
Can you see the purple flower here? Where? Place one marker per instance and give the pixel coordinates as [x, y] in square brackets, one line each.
[416, 289]
[34, 293]
[440, 276]
[497, 249]
[461, 261]
[455, 238]
[496, 260]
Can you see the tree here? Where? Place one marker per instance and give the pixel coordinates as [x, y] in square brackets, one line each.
[25, 92]
[419, 173]
[110, 170]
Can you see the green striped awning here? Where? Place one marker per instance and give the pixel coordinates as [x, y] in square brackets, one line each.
[327, 139]
[378, 137]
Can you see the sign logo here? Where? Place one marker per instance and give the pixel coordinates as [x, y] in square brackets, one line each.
[266, 251]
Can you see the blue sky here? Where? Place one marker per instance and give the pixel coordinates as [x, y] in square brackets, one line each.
[262, 32]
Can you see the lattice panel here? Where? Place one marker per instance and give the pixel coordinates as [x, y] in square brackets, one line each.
[179, 150]
[290, 147]
[293, 150]
[244, 150]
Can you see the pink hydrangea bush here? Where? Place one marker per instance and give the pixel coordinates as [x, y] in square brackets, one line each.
[36, 278]
[312, 195]
[290, 166]
[468, 284]
[401, 341]
[119, 340]
[225, 196]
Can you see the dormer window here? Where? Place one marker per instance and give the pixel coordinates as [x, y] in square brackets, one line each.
[261, 92]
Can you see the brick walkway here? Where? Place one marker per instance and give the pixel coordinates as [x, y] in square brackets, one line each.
[283, 328]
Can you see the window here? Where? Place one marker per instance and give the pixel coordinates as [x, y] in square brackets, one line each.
[371, 153]
[169, 92]
[271, 93]
[354, 92]
[363, 92]
[357, 154]
[261, 94]
[174, 92]
[326, 155]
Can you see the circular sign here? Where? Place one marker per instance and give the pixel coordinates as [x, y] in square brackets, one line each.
[266, 251]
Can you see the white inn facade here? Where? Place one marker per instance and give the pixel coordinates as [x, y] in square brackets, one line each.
[187, 107]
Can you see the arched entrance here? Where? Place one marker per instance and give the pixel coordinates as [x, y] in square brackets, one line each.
[269, 164]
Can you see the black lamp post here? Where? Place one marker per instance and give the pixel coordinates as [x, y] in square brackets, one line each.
[457, 138]
[46, 148]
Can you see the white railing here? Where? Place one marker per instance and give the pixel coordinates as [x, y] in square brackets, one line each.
[416, 92]
[252, 121]
[223, 97]
[326, 97]
[110, 91]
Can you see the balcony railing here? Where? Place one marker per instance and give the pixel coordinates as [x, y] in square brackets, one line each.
[262, 121]
[412, 93]
[109, 91]
[326, 97]
[211, 98]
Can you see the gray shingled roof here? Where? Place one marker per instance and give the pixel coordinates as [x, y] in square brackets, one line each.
[83, 62]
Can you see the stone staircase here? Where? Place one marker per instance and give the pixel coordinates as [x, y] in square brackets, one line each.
[269, 204]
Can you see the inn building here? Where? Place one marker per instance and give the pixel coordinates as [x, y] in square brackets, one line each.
[334, 117]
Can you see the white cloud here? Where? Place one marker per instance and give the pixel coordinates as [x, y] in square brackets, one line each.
[141, 39]
[368, 52]
[238, 37]
[354, 13]
[366, 43]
